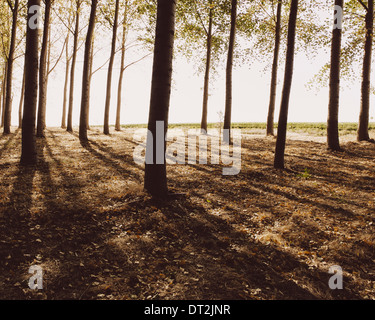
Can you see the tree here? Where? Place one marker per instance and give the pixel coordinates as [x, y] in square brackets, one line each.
[334, 83]
[8, 99]
[41, 123]
[155, 181]
[72, 72]
[66, 82]
[273, 86]
[228, 97]
[29, 153]
[86, 73]
[362, 134]
[110, 69]
[288, 75]
[122, 68]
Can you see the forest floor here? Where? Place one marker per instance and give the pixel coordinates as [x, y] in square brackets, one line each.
[81, 215]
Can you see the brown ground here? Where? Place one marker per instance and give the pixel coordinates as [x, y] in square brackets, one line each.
[82, 216]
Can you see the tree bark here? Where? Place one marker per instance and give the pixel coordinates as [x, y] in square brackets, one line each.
[110, 71]
[229, 72]
[288, 76]
[72, 72]
[86, 73]
[362, 134]
[3, 94]
[65, 100]
[271, 107]
[41, 123]
[22, 99]
[155, 173]
[207, 73]
[29, 152]
[122, 70]
[334, 88]
[8, 98]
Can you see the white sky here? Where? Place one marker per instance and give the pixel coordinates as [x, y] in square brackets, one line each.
[250, 94]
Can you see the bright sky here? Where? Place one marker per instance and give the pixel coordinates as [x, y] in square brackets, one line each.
[250, 94]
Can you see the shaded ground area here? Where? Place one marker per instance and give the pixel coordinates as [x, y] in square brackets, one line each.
[82, 216]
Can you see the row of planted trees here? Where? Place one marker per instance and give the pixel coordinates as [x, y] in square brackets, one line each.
[211, 30]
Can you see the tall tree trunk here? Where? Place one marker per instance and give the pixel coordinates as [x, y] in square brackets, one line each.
[110, 70]
[122, 70]
[86, 73]
[229, 71]
[3, 94]
[271, 107]
[43, 73]
[8, 99]
[72, 71]
[288, 76]
[207, 73]
[29, 153]
[22, 98]
[362, 134]
[90, 78]
[155, 173]
[334, 87]
[63, 120]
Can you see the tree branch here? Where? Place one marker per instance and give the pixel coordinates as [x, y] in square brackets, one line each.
[363, 5]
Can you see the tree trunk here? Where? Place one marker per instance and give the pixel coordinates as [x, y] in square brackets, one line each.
[86, 73]
[63, 120]
[122, 70]
[334, 88]
[110, 70]
[41, 123]
[362, 134]
[271, 107]
[20, 108]
[29, 153]
[3, 94]
[90, 78]
[72, 72]
[8, 99]
[229, 71]
[207, 74]
[155, 173]
[288, 76]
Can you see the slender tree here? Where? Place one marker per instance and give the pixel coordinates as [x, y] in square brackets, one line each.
[86, 73]
[22, 98]
[229, 71]
[207, 69]
[73, 66]
[334, 82]
[122, 68]
[66, 83]
[271, 107]
[3, 90]
[41, 122]
[155, 173]
[288, 76]
[110, 70]
[362, 134]
[8, 99]
[29, 153]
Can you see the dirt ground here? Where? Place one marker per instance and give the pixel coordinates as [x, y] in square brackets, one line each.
[82, 216]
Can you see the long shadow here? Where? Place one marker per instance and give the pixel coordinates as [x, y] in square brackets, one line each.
[108, 161]
[229, 261]
[10, 138]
